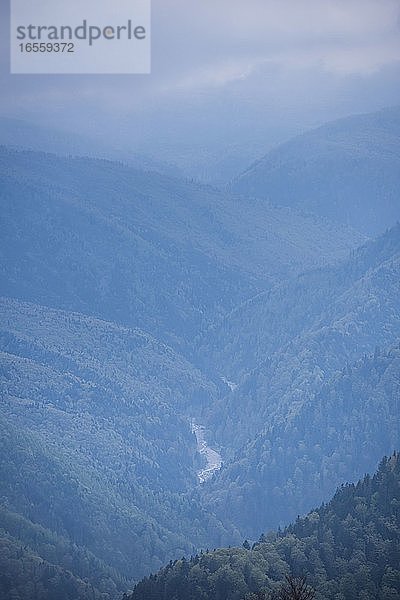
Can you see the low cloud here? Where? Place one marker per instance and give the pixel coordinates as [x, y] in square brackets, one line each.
[262, 48]
[210, 42]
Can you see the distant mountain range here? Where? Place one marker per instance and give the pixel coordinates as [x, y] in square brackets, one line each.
[347, 170]
[144, 249]
[22, 135]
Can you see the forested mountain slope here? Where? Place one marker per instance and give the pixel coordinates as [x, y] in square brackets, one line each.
[302, 337]
[300, 455]
[348, 170]
[116, 283]
[96, 444]
[26, 575]
[143, 249]
[349, 549]
[356, 298]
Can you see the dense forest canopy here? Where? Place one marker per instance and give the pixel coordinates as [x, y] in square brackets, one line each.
[349, 549]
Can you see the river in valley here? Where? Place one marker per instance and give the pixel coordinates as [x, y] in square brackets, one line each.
[212, 457]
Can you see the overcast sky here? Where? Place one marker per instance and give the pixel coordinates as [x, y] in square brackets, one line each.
[305, 60]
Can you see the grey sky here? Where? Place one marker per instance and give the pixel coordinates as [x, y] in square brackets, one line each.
[305, 60]
[225, 39]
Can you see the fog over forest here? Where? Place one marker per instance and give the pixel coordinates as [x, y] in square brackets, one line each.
[200, 312]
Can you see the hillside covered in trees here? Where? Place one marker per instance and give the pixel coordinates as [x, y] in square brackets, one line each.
[138, 309]
[320, 369]
[347, 170]
[94, 417]
[144, 249]
[349, 549]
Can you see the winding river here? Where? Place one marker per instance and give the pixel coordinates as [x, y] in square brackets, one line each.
[213, 458]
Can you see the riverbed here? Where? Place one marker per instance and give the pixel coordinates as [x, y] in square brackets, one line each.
[212, 457]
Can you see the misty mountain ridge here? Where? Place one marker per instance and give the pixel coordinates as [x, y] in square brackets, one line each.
[347, 170]
[144, 249]
[22, 135]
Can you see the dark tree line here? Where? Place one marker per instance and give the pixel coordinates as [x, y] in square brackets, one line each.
[349, 549]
